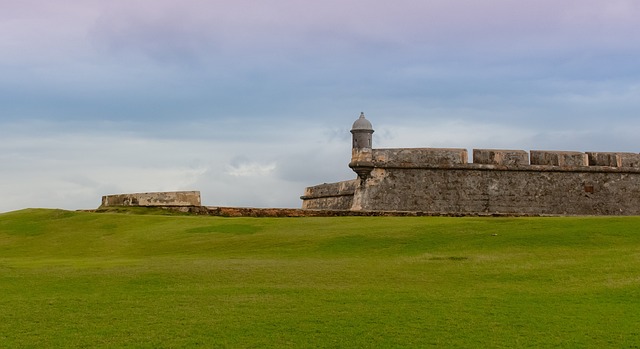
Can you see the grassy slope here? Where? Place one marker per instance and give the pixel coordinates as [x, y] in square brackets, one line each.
[72, 279]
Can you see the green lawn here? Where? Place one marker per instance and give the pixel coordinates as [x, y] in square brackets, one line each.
[73, 279]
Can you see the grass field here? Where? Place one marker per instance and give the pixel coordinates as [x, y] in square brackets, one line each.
[73, 279]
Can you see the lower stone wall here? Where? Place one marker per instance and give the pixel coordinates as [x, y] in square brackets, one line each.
[177, 198]
[487, 190]
[296, 212]
[330, 196]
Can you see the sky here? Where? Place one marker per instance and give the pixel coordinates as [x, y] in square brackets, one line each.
[251, 101]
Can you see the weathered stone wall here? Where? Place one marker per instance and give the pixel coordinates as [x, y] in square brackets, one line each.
[440, 181]
[418, 156]
[330, 196]
[177, 198]
[559, 158]
[500, 157]
[476, 190]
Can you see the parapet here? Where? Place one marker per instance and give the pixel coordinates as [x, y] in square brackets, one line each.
[500, 157]
[331, 189]
[577, 159]
[176, 198]
[404, 157]
[629, 160]
[558, 158]
[604, 159]
[335, 196]
[614, 159]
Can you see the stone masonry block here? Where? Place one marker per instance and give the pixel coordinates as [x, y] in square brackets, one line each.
[175, 198]
[409, 157]
[629, 160]
[604, 159]
[558, 158]
[331, 189]
[500, 157]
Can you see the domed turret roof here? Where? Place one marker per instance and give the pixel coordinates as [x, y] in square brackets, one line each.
[362, 124]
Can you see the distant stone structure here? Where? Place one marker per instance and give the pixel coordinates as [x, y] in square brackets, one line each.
[511, 182]
[161, 199]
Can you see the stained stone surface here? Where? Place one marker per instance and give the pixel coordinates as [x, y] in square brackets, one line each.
[416, 157]
[440, 181]
[175, 198]
[500, 157]
[497, 182]
[558, 158]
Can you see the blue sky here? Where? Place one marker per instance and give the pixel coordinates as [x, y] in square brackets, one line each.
[251, 101]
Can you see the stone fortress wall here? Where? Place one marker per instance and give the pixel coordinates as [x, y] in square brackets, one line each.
[157, 199]
[441, 181]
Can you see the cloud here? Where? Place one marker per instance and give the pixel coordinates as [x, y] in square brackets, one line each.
[192, 30]
[51, 165]
[250, 169]
[162, 59]
[250, 101]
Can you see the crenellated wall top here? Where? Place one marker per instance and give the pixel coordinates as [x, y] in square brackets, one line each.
[502, 158]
